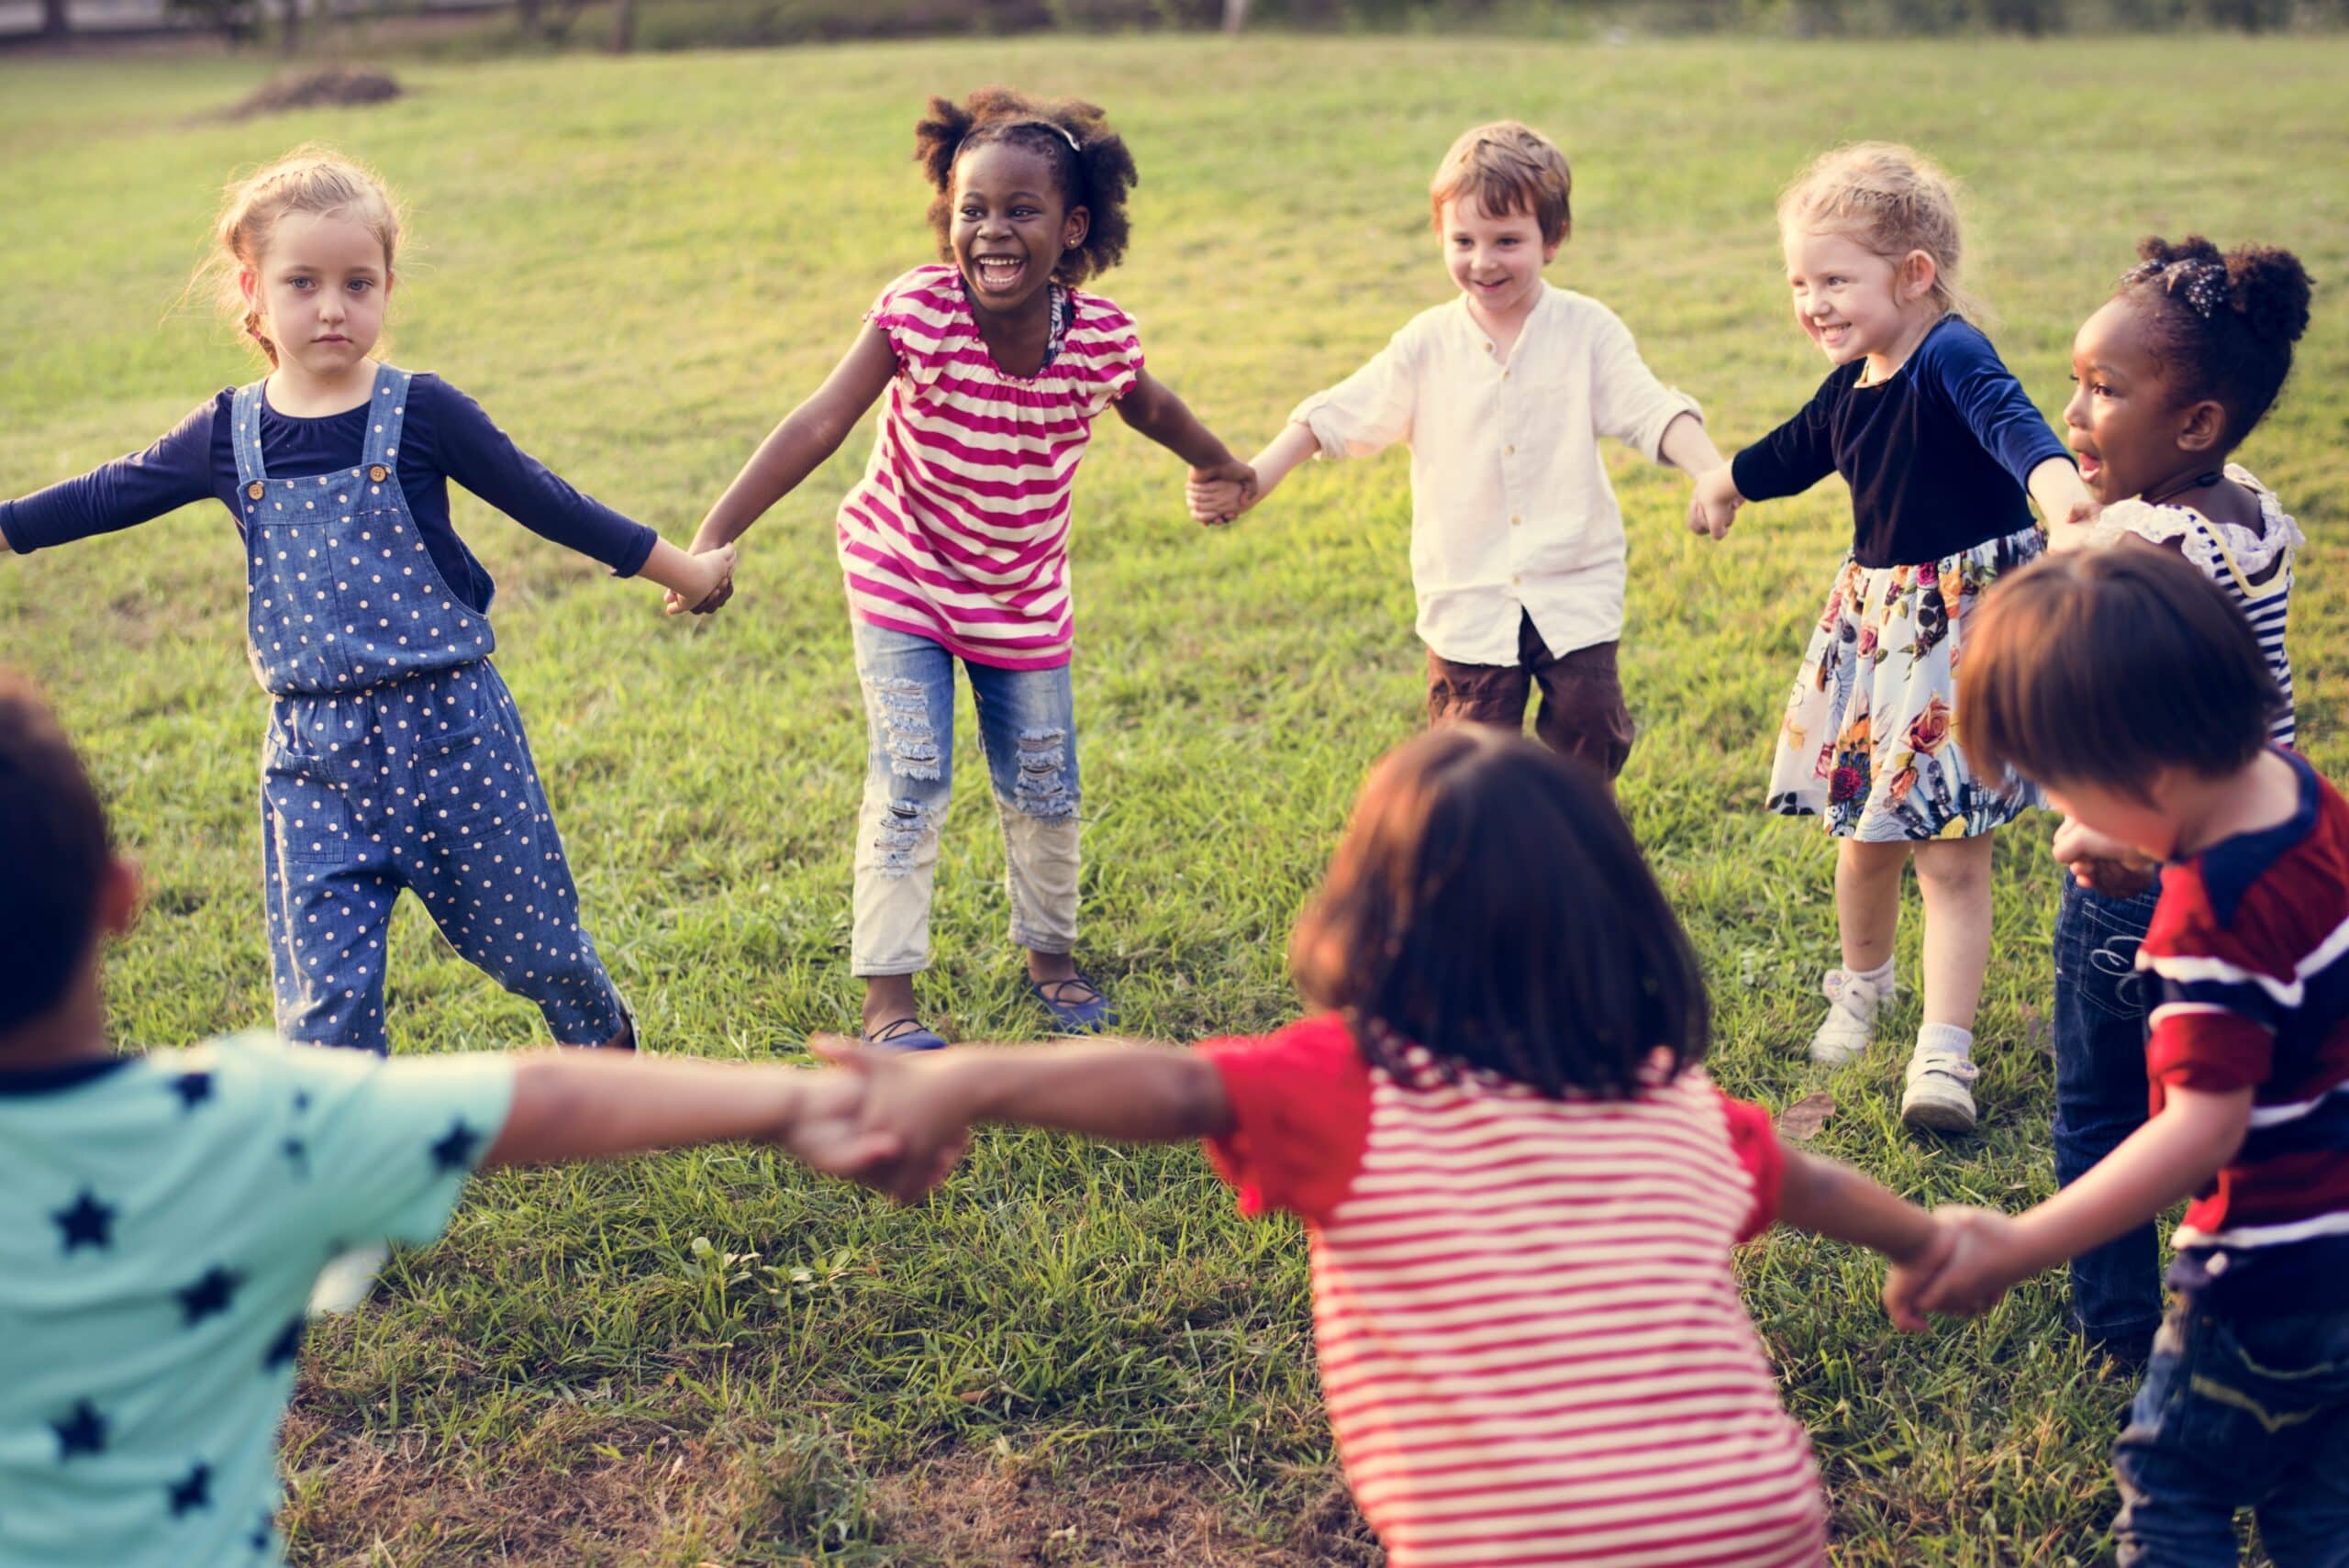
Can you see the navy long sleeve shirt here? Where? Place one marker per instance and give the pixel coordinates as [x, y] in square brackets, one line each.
[1937, 456]
[447, 436]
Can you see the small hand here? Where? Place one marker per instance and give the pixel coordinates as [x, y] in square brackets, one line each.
[1214, 504]
[2102, 862]
[909, 1101]
[1984, 1264]
[827, 1130]
[1228, 488]
[714, 579]
[1713, 503]
[1908, 1277]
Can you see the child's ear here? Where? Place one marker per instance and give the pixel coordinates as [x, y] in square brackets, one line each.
[1551, 248]
[121, 894]
[1919, 273]
[2202, 427]
[1074, 228]
[246, 283]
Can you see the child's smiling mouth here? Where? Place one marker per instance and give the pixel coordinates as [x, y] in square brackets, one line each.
[996, 273]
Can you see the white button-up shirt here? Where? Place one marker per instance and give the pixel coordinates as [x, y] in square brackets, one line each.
[1510, 507]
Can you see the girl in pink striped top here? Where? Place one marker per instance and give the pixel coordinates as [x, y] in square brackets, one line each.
[1519, 1189]
[955, 542]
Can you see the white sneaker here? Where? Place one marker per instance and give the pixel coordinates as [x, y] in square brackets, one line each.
[1851, 1019]
[1938, 1098]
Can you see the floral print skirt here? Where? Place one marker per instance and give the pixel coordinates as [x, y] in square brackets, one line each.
[1870, 737]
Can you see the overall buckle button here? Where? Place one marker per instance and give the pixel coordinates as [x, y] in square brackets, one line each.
[379, 474]
[256, 490]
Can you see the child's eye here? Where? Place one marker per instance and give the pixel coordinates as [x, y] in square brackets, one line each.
[359, 285]
[298, 282]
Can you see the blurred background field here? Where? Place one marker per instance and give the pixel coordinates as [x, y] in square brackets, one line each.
[1073, 1355]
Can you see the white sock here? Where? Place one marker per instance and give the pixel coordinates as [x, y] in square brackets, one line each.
[1946, 1040]
[1880, 976]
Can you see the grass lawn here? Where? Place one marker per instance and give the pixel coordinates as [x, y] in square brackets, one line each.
[1073, 1355]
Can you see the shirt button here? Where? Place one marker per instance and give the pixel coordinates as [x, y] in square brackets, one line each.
[1515, 519]
[1510, 450]
[256, 490]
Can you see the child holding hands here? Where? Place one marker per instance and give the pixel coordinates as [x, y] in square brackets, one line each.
[1517, 542]
[395, 757]
[167, 1216]
[955, 544]
[1520, 1189]
[2245, 1402]
[1940, 445]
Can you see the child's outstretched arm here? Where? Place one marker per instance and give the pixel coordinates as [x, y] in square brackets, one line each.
[1136, 1091]
[590, 1104]
[1152, 408]
[1221, 501]
[2170, 1158]
[1828, 1198]
[2062, 499]
[795, 449]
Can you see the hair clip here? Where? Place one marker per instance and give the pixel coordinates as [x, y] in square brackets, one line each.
[2202, 285]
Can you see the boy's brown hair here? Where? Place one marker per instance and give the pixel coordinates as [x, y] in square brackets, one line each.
[54, 850]
[2106, 667]
[1509, 167]
[1489, 904]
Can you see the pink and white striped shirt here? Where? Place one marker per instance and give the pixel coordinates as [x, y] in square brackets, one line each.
[1531, 1345]
[959, 529]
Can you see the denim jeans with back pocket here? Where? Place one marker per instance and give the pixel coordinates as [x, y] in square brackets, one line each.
[2239, 1412]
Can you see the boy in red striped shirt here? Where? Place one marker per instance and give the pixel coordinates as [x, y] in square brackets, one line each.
[2246, 1403]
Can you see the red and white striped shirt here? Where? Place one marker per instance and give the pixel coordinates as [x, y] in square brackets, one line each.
[959, 529]
[1531, 1341]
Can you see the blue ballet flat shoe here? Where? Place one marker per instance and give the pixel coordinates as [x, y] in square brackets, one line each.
[1087, 1014]
[905, 1034]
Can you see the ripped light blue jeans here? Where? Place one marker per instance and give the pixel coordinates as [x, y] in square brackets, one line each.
[1027, 732]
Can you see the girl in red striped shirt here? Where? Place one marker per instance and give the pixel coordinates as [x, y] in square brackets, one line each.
[955, 542]
[1520, 1188]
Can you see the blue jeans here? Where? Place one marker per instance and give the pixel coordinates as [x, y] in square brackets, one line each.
[2100, 1099]
[1027, 732]
[2238, 1413]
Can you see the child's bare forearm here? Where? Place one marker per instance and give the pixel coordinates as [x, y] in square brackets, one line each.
[1296, 445]
[792, 452]
[1688, 446]
[2171, 1157]
[1828, 1198]
[672, 568]
[1152, 410]
[588, 1104]
[1134, 1090]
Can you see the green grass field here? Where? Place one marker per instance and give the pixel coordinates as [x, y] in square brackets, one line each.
[1073, 1355]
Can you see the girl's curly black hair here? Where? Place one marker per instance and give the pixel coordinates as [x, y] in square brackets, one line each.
[2225, 320]
[1088, 159]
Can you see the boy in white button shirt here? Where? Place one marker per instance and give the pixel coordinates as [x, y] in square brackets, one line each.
[1517, 543]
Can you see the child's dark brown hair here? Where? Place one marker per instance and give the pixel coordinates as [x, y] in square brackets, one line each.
[2104, 667]
[2223, 322]
[54, 850]
[1089, 159]
[1489, 904]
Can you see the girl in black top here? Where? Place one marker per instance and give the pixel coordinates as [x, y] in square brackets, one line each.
[1940, 445]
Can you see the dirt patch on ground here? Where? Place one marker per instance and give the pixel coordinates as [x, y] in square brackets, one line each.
[333, 85]
[978, 1509]
[578, 1489]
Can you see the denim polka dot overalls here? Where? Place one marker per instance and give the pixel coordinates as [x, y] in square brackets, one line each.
[395, 759]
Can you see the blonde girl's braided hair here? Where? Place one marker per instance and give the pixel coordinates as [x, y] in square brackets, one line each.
[312, 179]
[1889, 198]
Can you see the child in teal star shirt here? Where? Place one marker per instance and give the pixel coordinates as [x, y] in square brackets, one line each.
[164, 1217]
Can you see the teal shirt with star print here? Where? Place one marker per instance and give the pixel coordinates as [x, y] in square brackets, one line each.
[162, 1219]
